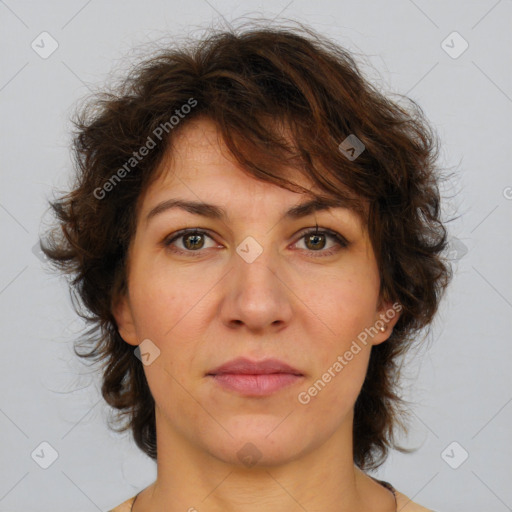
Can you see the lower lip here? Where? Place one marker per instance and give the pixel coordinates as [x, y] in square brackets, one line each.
[256, 385]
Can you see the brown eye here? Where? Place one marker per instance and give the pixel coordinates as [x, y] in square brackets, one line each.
[315, 241]
[188, 241]
[193, 241]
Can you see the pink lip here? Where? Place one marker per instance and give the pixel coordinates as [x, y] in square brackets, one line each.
[252, 378]
[241, 365]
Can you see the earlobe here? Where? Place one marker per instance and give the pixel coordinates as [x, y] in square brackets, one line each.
[385, 320]
[124, 319]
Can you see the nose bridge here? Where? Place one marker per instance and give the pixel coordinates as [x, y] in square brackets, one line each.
[255, 257]
[257, 297]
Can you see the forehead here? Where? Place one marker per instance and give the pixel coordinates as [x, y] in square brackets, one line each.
[199, 149]
[198, 166]
[198, 160]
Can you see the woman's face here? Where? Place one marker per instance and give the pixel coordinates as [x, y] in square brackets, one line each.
[251, 285]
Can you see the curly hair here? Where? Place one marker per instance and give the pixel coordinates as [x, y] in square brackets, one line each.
[241, 80]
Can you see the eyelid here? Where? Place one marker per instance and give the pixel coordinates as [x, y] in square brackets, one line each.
[169, 239]
[319, 230]
[340, 239]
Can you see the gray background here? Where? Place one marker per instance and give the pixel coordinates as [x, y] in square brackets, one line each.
[461, 387]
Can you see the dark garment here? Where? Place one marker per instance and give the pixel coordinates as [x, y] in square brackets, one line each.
[387, 485]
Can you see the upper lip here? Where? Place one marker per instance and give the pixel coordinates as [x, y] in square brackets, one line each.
[246, 366]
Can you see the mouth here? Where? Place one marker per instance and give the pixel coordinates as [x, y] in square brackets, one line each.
[256, 385]
[251, 378]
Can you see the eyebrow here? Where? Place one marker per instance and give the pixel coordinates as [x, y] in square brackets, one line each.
[216, 212]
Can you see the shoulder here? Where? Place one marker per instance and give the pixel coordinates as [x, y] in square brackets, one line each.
[405, 504]
[126, 506]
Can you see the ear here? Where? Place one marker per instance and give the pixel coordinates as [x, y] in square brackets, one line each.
[122, 312]
[387, 316]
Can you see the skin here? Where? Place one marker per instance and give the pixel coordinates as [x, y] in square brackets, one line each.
[290, 303]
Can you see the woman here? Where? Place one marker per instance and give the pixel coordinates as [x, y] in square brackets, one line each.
[255, 235]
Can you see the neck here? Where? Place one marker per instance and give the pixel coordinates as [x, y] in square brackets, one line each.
[324, 478]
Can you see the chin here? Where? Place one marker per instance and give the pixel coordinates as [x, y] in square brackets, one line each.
[258, 443]
[255, 453]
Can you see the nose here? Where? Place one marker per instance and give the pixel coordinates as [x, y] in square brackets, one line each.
[257, 295]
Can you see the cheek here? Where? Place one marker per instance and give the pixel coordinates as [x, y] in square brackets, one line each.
[170, 309]
[332, 391]
[164, 299]
[344, 304]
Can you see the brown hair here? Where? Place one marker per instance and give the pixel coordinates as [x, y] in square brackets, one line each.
[241, 79]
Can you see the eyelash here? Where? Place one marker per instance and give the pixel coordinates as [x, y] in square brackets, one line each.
[196, 231]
